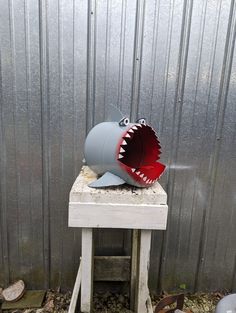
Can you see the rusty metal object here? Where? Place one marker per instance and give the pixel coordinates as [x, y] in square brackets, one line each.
[178, 299]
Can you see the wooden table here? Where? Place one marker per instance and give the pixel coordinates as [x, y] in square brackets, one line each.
[126, 207]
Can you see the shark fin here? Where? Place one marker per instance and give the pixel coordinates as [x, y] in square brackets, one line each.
[113, 114]
[108, 179]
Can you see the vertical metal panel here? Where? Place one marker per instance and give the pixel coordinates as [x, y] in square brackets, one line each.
[5, 90]
[218, 251]
[62, 62]
[114, 28]
[44, 129]
[21, 157]
[66, 103]
[228, 139]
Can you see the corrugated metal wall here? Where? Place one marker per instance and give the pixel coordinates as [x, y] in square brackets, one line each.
[172, 61]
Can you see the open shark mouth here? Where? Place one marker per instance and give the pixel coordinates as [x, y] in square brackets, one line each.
[138, 153]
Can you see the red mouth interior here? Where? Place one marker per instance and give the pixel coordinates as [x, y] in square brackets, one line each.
[139, 152]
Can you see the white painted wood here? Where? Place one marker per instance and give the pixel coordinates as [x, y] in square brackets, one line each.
[144, 260]
[117, 207]
[110, 215]
[80, 192]
[75, 294]
[134, 267]
[87, 270]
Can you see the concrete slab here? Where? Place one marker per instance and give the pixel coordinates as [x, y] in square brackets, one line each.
[80, 192]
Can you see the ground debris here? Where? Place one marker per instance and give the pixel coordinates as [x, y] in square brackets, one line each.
[110, 302]
[55, 302]
[58, 302]
[197, 303]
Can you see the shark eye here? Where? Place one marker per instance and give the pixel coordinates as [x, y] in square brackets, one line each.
[124, 121]
[141, 121]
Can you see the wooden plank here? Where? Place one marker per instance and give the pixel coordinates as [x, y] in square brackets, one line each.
[87, 270]
[75, 294]
[134, 267]
[144, 260]
[109, 215]
[31, 299]
[111, 268]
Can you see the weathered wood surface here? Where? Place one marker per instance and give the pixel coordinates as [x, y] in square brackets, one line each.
[142, 294]
[116, 215]
[141, 209]
[106, 268]
[87, 270]
[32, 299]
[134, 267]
[112, 268]
[75, 294]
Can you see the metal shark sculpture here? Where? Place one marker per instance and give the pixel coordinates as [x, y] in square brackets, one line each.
[123, 152]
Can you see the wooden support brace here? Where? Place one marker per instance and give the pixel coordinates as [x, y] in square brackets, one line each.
[75, 294]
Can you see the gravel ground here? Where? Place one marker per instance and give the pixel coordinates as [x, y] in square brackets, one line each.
[56, 302]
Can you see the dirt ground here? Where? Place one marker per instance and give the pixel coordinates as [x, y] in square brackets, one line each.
[56, 302]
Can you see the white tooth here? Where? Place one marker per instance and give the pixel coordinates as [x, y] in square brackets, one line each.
[147, 181]
[145, 178]
[122, 150]
[141, 175]
[131, 130]
[128, 135]
[124, 143]
[120, 156]
[138, 173]
[151, 181]
[135, 127]
[133, 170]
[139, 125]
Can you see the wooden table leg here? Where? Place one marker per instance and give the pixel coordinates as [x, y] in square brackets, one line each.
[134, 267]
[87, 270]
[142, 279]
